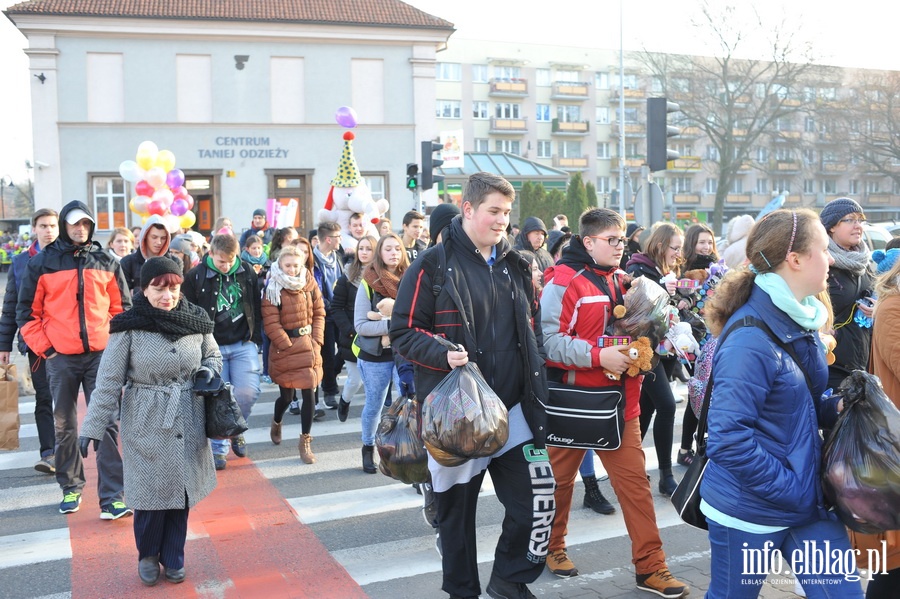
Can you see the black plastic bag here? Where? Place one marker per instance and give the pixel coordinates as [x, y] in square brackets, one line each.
[861, 471]
[399, 443]
[223, 415]
[463, 418]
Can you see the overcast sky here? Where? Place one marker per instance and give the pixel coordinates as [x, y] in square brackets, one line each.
[861, 33]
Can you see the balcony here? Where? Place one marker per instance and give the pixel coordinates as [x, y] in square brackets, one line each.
[686, 163]
[686, 198]
[630, 95]
[631, 163]
[788, 135]
[631, 130]
[570, 90]
[786, 166]
[739, 198]
[509, 126]
[690, 132]
[833, 167]
[576, 128]
[881, 199]
[570, 163]
[517, 88]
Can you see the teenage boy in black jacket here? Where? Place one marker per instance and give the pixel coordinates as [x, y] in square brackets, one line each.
[498, 324]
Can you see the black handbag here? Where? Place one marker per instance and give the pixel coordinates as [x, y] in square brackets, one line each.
[223, 415]
[585, 417]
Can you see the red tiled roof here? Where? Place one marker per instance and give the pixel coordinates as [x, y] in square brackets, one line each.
[390, 13]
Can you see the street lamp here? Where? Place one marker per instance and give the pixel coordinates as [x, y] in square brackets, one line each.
[4, 181]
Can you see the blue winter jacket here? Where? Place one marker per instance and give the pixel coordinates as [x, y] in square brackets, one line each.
[764, 445]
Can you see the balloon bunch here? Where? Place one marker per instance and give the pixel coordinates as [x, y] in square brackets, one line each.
[159, 187]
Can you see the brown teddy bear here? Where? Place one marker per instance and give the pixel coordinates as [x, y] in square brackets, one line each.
[641, 353]
[385, 309]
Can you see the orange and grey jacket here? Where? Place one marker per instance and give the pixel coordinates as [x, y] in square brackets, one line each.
[69, 294]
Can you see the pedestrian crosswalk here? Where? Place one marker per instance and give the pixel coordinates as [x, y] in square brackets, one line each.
[370, 524]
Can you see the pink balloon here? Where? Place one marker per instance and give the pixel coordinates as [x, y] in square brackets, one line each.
[179, 207]
[175, 178]
[156, 177]
[345, 117]
[165, 196]
[156, 207]
[143, 188]
[190, 201]
[180, 192]
[140, 203]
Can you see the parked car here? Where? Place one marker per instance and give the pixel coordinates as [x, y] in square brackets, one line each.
[891, 226]
[877, 236]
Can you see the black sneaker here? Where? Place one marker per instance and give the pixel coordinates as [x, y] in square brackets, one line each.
[239, 446]
[319, 414]
[429, 511]
[437, 543]
[330, 402]
[294, 408]
[685, 458]
[503, 589]
[343, 409]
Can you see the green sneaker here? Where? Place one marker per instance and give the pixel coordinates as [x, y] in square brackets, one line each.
[70, 503]
[114, 511]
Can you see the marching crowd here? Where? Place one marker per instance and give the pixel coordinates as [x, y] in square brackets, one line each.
[135, 324]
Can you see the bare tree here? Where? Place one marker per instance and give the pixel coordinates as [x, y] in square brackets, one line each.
[737, 101]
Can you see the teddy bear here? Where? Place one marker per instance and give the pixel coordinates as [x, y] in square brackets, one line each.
[641, 353]
[385, 309]
[680, 339]
[350, 195]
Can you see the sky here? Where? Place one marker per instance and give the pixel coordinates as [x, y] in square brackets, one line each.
[861, 34]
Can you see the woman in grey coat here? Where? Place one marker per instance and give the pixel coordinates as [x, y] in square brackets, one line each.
[155, 351]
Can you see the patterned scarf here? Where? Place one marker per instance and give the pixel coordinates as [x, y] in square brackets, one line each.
[278, 280]
[184, 319]
[855, 262]
[382, 281]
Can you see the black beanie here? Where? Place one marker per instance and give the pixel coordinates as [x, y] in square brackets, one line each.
[440, 219]
[160, 265]
[259, 212]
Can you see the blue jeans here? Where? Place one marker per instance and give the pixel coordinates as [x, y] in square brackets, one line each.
[739, 571]
[587, 465]
[240, 367]
[377, 377]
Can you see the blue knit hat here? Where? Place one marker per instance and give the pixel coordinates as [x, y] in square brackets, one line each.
[837, 209]
[885, 260]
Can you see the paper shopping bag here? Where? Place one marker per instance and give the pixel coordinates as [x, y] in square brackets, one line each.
[9, 407]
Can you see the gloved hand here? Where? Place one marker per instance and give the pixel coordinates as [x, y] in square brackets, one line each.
[406, 374]
[83, 443]
[204, 374]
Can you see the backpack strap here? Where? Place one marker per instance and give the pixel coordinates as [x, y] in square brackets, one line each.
[437, 260]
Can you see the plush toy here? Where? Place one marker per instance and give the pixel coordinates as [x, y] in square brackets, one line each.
[641, 353]
[350, 195]
[680, 339]
[830, 343]
[385, 310]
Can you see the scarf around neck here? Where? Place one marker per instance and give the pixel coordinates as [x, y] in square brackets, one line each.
[279, 281]
[855, 261]
[382, 281]
[810, 314]
[184, 319]
[253, 260]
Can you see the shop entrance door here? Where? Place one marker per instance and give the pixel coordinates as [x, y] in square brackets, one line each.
[286, 185]
[207, 204]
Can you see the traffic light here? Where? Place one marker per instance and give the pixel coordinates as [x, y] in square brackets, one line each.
[658, 132]
[412, 176]
[429, 163]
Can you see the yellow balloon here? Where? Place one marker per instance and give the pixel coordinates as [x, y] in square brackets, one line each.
[145, 159]
[165, 160]
[144, 219]
[187, 220]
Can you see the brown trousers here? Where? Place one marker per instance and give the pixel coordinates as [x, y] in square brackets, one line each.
[628, 476]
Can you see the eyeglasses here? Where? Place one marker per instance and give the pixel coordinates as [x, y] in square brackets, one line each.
[853, 221]
[677, 250]
[612, 241]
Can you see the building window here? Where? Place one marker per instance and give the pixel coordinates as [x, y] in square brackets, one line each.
[681, 185]
[570, 149]
[568, 114]
[510, 146]
[784, 154]
[603, 185]
[632, 150]
[479, 73]
[809, 124]
[656, 85]
[505, 110]
[367, 89]
[448, 71]
[631, 115]
[193, 85]
[809, 186]
[683, 149]
[507, 73]
[479, 110]
[603, 115]
[603, 150]
[543, 77]
[781, 185]
[287, 90]
[482, 145]
[762, 186]
[377, 184]
[601, 80]
[565, 76]
[852, 187]
[448, 109]
[873, 186]
[544, 149]
[809, 156]
[109, 201]
[543, 113]
[712, 152]
[712, 185]
[829, 186]
[762, 154]
[737, 186]
[105, 88]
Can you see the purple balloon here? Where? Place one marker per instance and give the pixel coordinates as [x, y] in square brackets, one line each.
[175, 178]
[179, 207]
[345, 117]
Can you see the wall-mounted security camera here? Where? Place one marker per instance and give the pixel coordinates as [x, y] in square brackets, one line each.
[240, 60]
[40, 164]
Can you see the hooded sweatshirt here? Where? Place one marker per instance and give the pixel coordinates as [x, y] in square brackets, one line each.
[132, 263]
[543, 257]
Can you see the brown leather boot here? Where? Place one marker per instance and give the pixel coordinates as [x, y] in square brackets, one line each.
[306, 453]
[275, 433]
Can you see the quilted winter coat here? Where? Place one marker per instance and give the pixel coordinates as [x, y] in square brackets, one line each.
[296, 362]
[163, 425]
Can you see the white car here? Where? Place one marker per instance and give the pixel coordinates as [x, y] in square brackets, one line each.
[877, 237]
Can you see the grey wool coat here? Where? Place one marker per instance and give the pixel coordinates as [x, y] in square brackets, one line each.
[163, 425]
